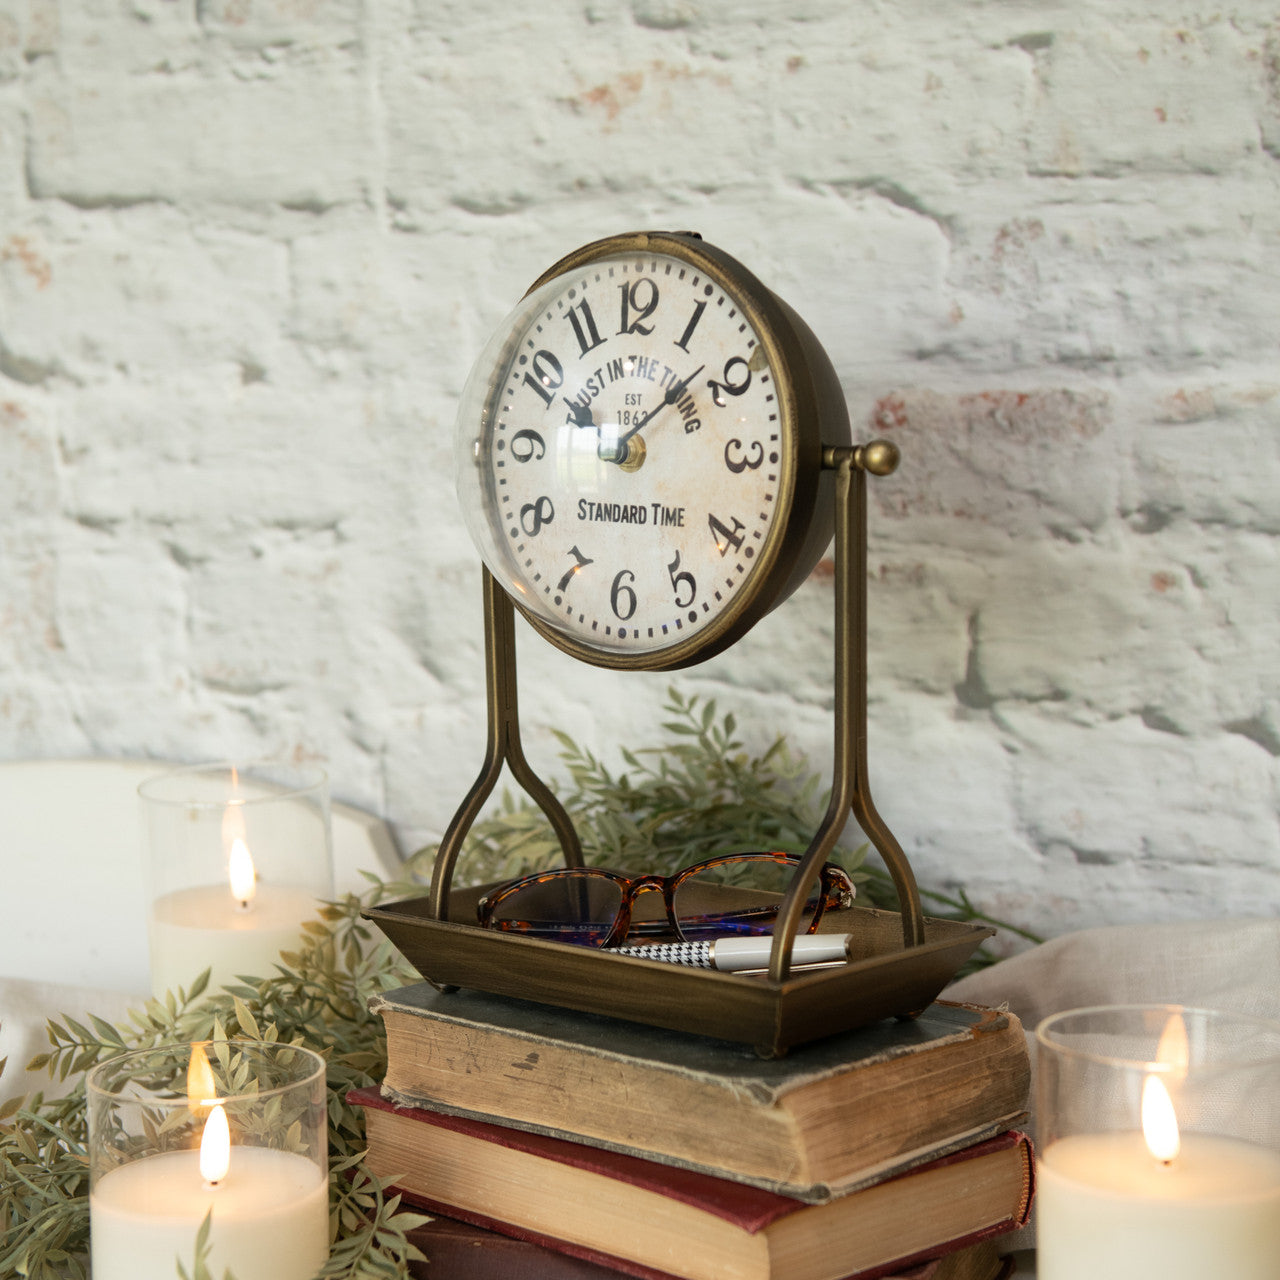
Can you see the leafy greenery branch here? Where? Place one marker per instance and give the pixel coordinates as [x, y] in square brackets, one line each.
[318, 998]
[200, 1269]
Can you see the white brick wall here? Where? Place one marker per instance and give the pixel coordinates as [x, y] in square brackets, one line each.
[249, 249]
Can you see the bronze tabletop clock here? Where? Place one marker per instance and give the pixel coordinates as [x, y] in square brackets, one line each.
[640, 452]
[652, 453]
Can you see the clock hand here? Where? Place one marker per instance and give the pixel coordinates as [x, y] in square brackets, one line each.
[618, 450]
[674, 392]
[581, 414]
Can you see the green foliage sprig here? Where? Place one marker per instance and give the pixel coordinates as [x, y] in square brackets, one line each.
[318, 998]
[200, 1267]
[702, 792]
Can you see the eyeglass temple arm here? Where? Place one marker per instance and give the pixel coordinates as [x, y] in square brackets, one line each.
[503, 745]
[850, 787]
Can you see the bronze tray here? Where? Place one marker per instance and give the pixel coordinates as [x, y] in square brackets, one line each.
[881, 980]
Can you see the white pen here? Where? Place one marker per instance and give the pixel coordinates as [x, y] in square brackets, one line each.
[736, 954]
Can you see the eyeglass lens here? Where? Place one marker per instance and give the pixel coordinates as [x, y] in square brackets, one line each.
[578, 908]
[738, 896]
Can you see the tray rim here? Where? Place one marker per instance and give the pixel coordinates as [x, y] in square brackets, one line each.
[771, 1015]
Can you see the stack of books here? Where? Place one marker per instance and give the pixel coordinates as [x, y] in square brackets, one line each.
[561, 1144]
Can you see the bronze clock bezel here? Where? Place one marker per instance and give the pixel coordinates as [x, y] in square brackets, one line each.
[811, 415]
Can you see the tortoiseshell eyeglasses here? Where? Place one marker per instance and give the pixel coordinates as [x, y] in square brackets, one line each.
[735, 894]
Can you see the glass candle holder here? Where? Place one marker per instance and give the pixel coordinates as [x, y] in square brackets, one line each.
[230, 1130]
[238, 857]
[1159, 1145]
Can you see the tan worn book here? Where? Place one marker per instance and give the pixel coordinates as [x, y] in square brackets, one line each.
[830, 1116]
[657, 1221]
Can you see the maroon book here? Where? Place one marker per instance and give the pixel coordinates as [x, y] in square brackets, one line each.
[457, 1250]
[656, 1221]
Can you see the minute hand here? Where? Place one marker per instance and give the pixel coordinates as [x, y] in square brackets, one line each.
[674, 392]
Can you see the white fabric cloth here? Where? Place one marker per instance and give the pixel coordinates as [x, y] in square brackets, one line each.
[1215, 964]
[26, 1007]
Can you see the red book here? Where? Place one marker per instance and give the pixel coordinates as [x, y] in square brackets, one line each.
[656, 1221]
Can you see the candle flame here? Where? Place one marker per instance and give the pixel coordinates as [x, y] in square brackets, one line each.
[1159, 1122]
[233, 823]
[241, 873]
[201, 1089]
[233, 814]
[1174, 1047]
[215, 1146]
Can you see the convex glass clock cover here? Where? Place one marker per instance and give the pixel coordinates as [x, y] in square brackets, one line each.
[639, 451]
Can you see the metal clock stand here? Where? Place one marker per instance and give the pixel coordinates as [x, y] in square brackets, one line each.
[899, 962]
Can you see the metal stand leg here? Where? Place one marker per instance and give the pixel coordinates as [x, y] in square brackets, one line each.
[850, 786]
[503, 745]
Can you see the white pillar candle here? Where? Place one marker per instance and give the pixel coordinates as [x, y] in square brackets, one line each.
[239, 859]
[202, 927]
[270, 1217]
[1107, 1209]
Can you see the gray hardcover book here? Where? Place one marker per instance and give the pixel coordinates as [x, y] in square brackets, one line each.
[830, 1117]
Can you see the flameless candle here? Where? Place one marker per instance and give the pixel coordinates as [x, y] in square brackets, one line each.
[1107, 1207]
[239, 860]
[270, 1217]
[1155, 1200]
[268, 1208]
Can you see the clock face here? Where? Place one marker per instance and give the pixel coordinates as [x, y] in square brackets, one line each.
[627, 457]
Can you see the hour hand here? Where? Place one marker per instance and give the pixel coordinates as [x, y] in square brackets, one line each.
[580, 414]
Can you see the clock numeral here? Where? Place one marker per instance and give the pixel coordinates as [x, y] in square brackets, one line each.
[526, 445]
[679, 579]
[585, 329]
[631, 301]
[574, 569]
[546, 377]
[730, 385]
[683, 340]
[621, 596]
[725, 537]
[747, 461]
[533, 515]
